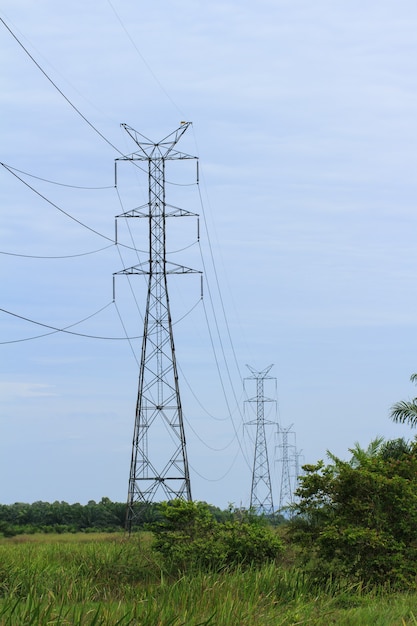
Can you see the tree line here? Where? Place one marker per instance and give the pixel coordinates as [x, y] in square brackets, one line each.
[62, 517]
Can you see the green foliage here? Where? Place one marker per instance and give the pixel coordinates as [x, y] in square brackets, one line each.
[405, 411]
[189, 537]
[360, 519]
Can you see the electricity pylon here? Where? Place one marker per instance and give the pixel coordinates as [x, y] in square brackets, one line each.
[261, 491]
[286, 496]
[159, 465]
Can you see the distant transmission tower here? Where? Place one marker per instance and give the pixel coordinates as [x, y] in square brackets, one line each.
[286, 495]
[261, 491]
[159, 465]
[298, 470]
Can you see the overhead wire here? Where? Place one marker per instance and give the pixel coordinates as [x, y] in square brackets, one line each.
[223, 387]
[72, 105]
[222, 306]
[218, 284]
[53, 182]
[71, 217]
[222, 477]
[127, 337]
[132, 291]
[64, 329]
[219, 337]
[205, 442]
[61, 256]
[218, 419]
[55, 205]
[119, 19]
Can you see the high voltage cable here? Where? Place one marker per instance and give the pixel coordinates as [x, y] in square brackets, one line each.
[64, 256]
[57, 88]
[223, 388]
[244, 453]
[65, 329]
[10, 170]
[205, 443]
[143, 59]
[56, 331]
[218, 419]
[216, 480]
[218, 284]
[128, 338]
[72, 105]
[55, 205]
[137, 250]
[53, 182]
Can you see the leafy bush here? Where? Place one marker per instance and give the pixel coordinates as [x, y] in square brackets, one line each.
[190, 537]
[359, 519]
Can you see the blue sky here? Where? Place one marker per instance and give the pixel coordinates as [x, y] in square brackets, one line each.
[304, 123]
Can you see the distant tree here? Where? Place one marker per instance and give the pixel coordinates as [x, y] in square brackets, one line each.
[405, 411]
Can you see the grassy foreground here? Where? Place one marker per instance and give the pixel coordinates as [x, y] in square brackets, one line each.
[98, 579]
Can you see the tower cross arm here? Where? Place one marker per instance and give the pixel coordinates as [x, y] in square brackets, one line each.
[164, 147]
[173, 268]
[263, 374]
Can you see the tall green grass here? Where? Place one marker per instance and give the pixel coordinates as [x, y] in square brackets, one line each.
[110, 581]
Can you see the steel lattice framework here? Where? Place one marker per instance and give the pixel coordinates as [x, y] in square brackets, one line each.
[286, 496]
[159, 465]
[261, 491]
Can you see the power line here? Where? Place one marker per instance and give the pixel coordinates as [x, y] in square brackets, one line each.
[65, 329]
[224, 390]
[216, 480]
[64, 256]
[13, 171]
[55, 205]
[205, 443]
[57, 88]
[53, 182]
[143, 59]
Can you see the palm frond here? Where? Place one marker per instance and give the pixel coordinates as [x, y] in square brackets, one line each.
[405, 412]
[334, 458]
[375, 446]
[361, 455]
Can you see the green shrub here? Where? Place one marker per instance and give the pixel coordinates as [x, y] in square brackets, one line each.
[359, 519]
[189, 537]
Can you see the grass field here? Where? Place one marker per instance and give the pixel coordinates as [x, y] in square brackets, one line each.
[99, 579]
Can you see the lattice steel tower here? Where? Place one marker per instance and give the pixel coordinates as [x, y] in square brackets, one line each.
[261, 492]
[286, 496]
[159, 465]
